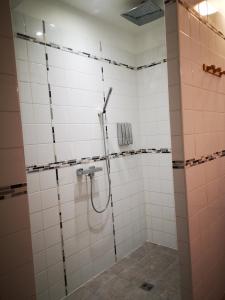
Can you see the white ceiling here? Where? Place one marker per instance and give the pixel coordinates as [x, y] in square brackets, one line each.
[109, 11]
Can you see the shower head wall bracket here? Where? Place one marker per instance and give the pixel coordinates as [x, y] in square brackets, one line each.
[106, 100]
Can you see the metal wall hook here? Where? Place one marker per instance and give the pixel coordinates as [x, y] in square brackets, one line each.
[213, 70]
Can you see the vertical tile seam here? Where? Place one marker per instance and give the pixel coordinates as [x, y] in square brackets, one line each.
[55, 157]
[111, 196]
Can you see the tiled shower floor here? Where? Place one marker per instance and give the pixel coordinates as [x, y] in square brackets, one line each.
[150, 263]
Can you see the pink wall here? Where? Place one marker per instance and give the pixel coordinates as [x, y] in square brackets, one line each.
[16, 265]
[197, 111]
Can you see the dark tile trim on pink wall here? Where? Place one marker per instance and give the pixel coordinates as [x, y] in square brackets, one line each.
[13, 190]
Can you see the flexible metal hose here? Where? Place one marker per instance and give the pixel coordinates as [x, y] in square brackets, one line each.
[107, 170]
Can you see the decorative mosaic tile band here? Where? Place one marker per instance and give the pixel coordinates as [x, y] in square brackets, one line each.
[13, 190]
[86, 160]
[192, 11]
[151, 65]
[89, 55]
[178, 164]
[204, 159]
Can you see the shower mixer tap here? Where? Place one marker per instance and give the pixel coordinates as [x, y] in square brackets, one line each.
[89, 172]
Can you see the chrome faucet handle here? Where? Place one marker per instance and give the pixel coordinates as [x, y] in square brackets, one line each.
[89, 172]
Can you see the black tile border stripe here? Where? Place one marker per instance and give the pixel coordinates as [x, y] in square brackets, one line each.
[164, 60]
[177, 164]
[89, 55]
[85, 160]
[180, 164]
[13, 190]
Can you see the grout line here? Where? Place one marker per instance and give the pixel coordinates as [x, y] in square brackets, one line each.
[56, 170]
[111, 196]
[61, 233]
[91, 56]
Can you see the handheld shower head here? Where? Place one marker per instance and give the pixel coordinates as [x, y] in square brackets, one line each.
[107, 100]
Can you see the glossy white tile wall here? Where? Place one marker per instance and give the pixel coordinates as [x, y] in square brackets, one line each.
[159, 199]
[35, 109]
[77, 30]
[88, 237]
[155, 133]
[46, 238]
[77, 92]
[128, 200]
[127, 184]
[38, 147]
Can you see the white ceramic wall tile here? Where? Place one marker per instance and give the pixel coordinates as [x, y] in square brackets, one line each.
[40, 93]
[54, 254]
[38, 242]
[21, 49]
[35, 204]
[25, 92]
[155, 133]
[50, 217]
[55, 273]
[52, 235]
[141, 186]
[36, 53]
[22, 70]
[38, 73]
[36, 222]
[43, 296]
[18, 22]
[33, 26]
[41, 282]
[57, 291]
[40, 263]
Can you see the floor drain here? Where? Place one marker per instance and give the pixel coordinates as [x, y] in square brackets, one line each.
[147, 286]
